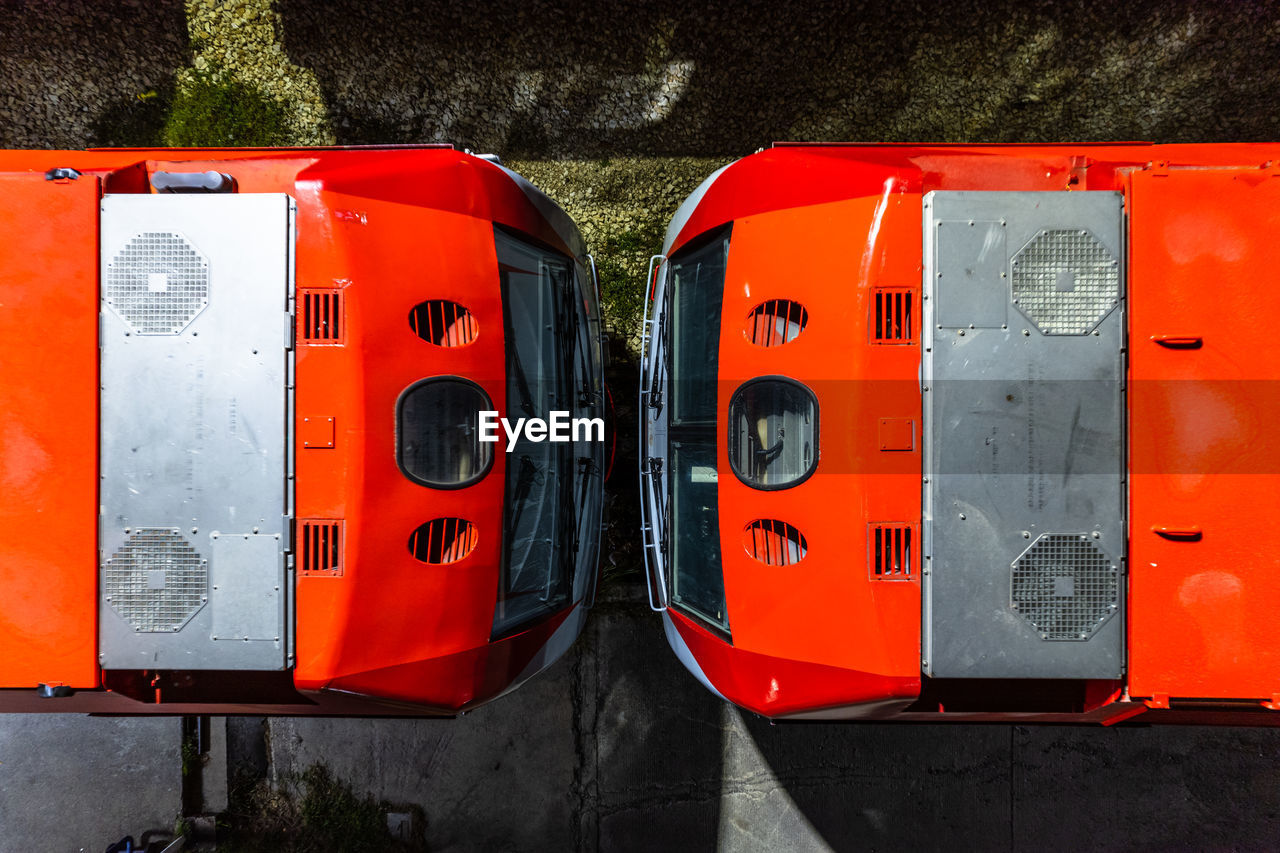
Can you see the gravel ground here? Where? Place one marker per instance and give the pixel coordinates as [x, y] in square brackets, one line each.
[715, 78]
[72, 71]
[540, 80]
[239, 38]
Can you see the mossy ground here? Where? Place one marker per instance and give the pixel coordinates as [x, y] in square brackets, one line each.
[622, 206]
[312, 813]
[211, 108]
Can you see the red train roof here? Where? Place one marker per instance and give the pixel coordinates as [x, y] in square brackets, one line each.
[837, 228]
[381, 230]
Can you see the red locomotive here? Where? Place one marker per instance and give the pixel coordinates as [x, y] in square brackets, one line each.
[970, 432]
[241, 454]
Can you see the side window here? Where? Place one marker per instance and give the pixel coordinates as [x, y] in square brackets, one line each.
[438, 433]
[773, 433]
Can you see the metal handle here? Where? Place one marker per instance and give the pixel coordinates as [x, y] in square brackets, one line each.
[1178, 341]
[595, 276]
[650, 282]
[646, 338]
[1191, 533]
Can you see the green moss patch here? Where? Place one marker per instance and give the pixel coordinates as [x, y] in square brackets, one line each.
[316, 813]
[622, 206]
[211, 108]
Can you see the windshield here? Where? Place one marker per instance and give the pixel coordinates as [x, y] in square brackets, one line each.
[692, 337]
[551, 366]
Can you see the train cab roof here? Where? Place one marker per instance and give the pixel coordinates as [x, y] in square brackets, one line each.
[885, 420]
[294, 345]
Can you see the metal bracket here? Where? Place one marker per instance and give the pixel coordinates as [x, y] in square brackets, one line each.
[1157, 700]
[53, 690]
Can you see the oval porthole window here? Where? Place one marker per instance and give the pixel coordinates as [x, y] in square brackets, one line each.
[773, 433]
[438, 432]
[443, 540]
[443, 323]
[776, 322]
[774, 543]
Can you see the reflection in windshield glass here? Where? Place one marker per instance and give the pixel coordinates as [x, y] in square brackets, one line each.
[538, 560]
[694, 297]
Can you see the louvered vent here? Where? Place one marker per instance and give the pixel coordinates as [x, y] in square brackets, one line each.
[892, 316]
[1065, 586]
[893, 551]
[158, 283]
[156, 581]
[320, 316]
[443, 540]
[774, 543]
[320, 547]
[776, 322]
[443, 323]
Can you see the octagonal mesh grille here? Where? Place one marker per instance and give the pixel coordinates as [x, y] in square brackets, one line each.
[1065, 586]
[158, 283]
[156, 581]
[1065, 281]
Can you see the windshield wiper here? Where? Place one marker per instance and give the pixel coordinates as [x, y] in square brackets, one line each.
[660, 366]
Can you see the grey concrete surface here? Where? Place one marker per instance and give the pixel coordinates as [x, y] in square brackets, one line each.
[72, 783]
[501, 777]
[617, 748]
[214, 770]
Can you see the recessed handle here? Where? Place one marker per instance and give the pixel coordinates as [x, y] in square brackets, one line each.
[1191, 533]
[1179, 341]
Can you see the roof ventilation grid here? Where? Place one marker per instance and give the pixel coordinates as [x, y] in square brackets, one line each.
[776, 322]
[774, 543]
[443, 540]
[1065, 586]
[320, 547]
[1065, 281]
[443, 323]
[321, 316]
[892, 547]
[156, 581]
[892, 316]
[157, 283]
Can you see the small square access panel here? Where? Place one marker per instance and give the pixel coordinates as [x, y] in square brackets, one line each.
[316, 432]
[897, 434]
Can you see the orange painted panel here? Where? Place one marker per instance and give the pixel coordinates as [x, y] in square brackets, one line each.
[48, 430]
[825, 609]
[1204, 433]
[389, 609]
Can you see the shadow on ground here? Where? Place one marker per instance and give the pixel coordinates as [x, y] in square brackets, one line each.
[719, 78]
[618, 748]
[75, 73]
